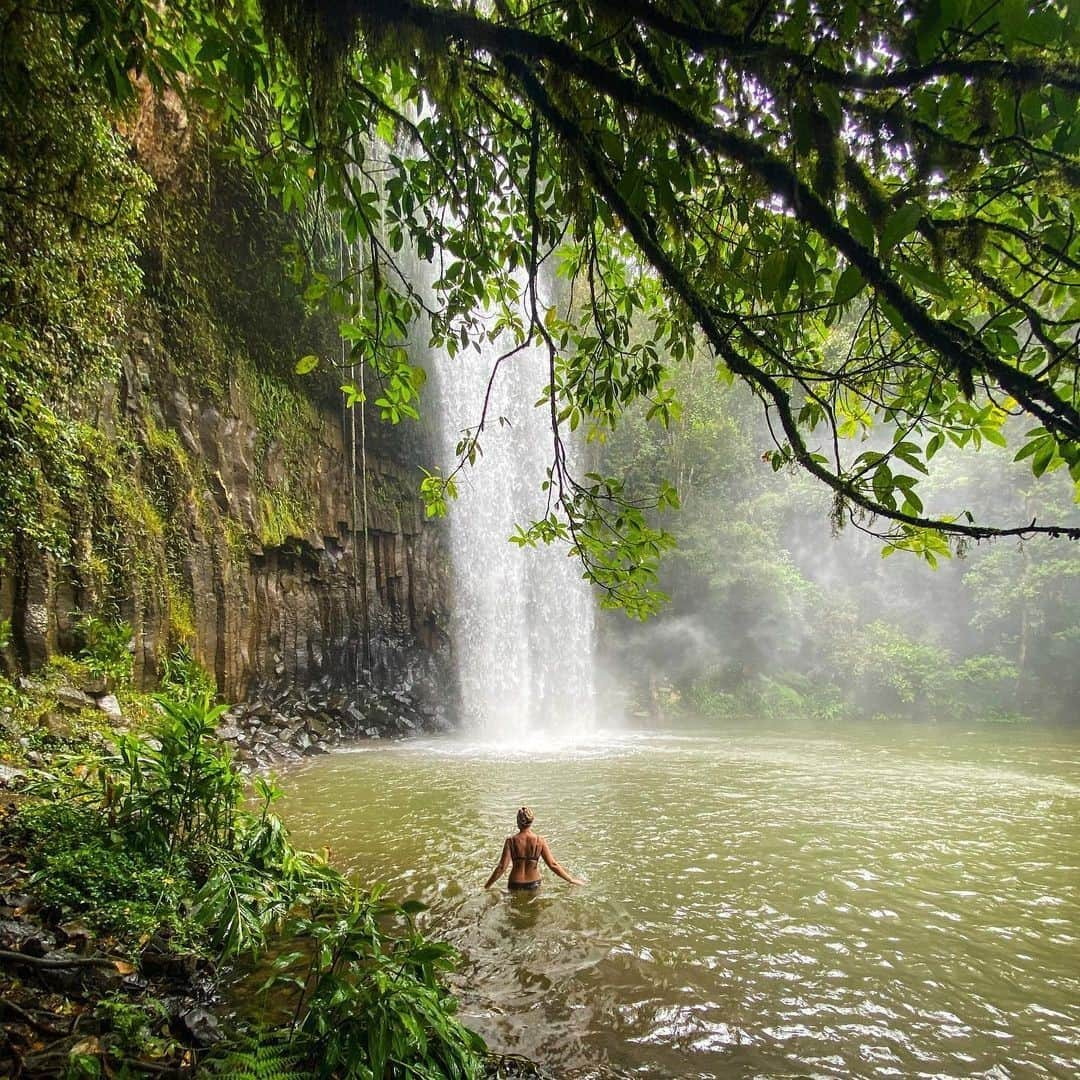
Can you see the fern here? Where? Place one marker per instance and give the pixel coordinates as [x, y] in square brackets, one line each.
[261, 1056]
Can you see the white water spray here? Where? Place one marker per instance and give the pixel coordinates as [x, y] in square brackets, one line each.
[523, 620]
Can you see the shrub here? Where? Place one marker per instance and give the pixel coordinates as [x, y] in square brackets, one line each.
[106, 648]
[132, 835]
[148, 819]
[79, 865]
[374, 1005]
[131, 1025]
[184, 678]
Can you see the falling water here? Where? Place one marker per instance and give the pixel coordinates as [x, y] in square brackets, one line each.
[522, 621]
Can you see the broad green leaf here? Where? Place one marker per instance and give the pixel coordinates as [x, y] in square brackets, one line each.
[924, 278]
[848, 286]
[900, 224]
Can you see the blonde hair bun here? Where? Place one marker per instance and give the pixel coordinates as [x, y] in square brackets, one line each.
[525, 817]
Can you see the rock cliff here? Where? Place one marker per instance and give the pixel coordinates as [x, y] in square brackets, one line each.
[214, 501]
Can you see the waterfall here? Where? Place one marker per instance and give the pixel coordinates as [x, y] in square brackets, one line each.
[522, 619]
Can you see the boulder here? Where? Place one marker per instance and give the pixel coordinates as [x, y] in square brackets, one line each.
[70, 698]
[58, 724]
[9, 777]
[108, 704]
[199, 1026]
[77, 934]
[25, 938]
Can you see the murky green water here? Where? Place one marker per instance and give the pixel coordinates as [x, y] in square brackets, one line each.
[758, 905]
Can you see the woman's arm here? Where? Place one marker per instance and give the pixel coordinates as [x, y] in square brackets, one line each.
[504, 862]
[554, 866]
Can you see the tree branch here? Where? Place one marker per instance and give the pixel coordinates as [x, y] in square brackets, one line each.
[574, 138]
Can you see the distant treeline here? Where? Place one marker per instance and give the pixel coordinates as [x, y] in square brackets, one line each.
[775, 612]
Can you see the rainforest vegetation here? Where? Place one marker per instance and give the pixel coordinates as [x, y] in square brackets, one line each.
[732, 180]
[791, 265]
[773, 616]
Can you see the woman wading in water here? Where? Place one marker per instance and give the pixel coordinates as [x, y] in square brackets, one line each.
[523, 853]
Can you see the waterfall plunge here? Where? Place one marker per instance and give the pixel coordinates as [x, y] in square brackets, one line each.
[523, 620]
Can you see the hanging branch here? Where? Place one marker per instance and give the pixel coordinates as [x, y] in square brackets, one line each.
[721, 340]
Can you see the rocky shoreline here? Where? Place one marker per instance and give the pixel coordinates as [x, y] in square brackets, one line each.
[274, 727]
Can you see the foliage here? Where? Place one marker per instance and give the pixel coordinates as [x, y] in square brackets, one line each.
[168, 810]
[1026, 605]
[762, 595]
[788, 698]
[137, 836]
[32, 718]
[726, 178]
[728, 185]
[71, 200]
[286, 422]
[81, 865]
[264, 1055]
[891, 664]
[376, 1006]
[183, 678]
[133, 1024]
[106, 647]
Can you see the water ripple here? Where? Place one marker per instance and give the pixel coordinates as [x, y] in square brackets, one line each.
[757, 905]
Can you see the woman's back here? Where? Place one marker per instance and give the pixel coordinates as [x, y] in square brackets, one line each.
[526, 850]
[521, 855]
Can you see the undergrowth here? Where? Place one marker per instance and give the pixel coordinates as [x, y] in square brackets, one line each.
[161, 838]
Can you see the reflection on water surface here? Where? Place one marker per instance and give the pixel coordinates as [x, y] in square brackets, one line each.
[757, 904]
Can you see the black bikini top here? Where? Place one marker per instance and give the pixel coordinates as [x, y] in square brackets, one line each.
[515, 857]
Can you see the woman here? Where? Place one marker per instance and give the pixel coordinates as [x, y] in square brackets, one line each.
[524, 852]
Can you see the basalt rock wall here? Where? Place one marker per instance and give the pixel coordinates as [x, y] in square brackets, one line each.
[226, 508]
[274, 600]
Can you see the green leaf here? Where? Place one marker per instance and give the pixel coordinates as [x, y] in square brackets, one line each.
[883, 484]
[924, 279]
[214, 48]
[1029, 448]
[895, 319]
[306, 364]
[1043, 457]
[861, 227]
[772, 272]
[848, 286]
[899, 225]
[932, 23]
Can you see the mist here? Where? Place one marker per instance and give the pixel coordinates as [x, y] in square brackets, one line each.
[779, 613]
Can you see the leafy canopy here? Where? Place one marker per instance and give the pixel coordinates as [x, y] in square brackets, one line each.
[738, 178]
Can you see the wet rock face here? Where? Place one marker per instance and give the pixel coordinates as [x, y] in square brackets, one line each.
[228, 512]
[276, 727]
[308, 606]
[328, 599]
